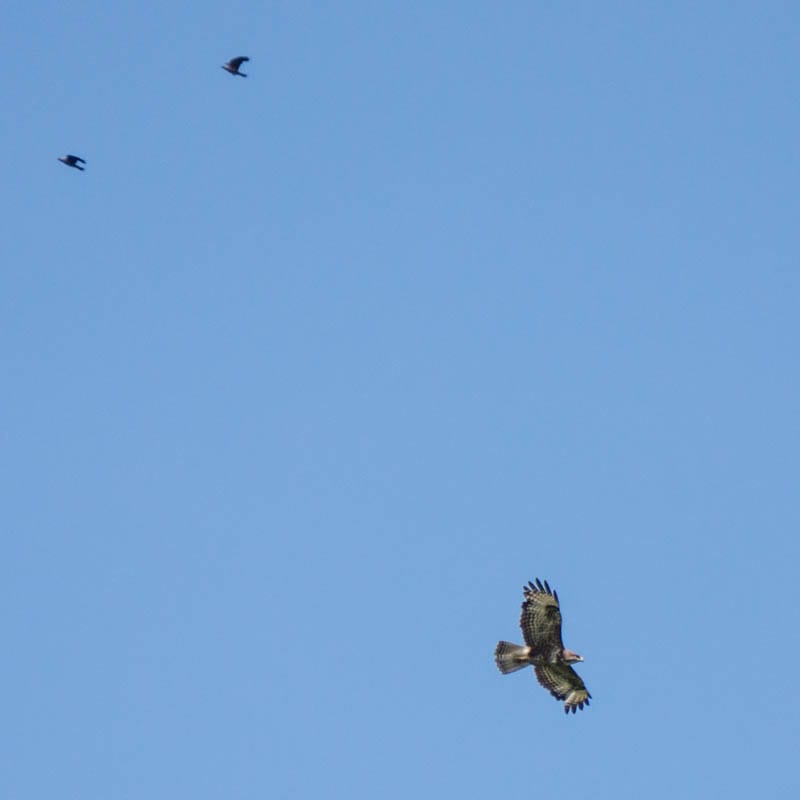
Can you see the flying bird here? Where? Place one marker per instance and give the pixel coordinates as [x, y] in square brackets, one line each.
[233, 65]
[72, 161]
[544, 649]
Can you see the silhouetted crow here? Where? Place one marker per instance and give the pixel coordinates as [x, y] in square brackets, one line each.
[72, 161]
[233, 65]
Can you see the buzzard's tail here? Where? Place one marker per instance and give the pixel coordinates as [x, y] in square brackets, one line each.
[511, 657]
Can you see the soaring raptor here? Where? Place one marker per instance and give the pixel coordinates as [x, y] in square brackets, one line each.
[233, 65]
[543, 649]
[72, 161]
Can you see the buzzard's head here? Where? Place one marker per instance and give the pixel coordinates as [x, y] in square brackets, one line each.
[570, 657]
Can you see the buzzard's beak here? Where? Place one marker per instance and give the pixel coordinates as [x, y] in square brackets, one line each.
[571, 657]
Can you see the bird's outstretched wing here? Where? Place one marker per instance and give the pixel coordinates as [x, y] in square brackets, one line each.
[564, 684]
[238, 61]
[540, 620]
[72, 161]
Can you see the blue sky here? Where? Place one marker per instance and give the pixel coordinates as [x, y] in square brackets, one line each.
[308, 373]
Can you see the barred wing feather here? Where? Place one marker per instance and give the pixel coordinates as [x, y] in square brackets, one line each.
[540, 620]
[564, 684]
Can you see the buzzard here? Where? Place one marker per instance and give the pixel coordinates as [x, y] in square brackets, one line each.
[543, 649]
[72, 161]
[233, 65]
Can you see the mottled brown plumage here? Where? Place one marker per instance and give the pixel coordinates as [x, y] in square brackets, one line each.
[544, 649]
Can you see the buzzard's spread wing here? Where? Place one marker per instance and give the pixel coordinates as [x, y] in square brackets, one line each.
[238, 61]
[564, 684]
[541, 619]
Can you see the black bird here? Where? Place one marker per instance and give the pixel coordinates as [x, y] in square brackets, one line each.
[233, 65]
[72, 161]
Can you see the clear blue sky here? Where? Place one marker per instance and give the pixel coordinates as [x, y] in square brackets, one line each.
[308, 373]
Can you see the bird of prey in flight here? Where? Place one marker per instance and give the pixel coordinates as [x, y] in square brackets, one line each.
[233, 65]
[544, 649]
[72, 161]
